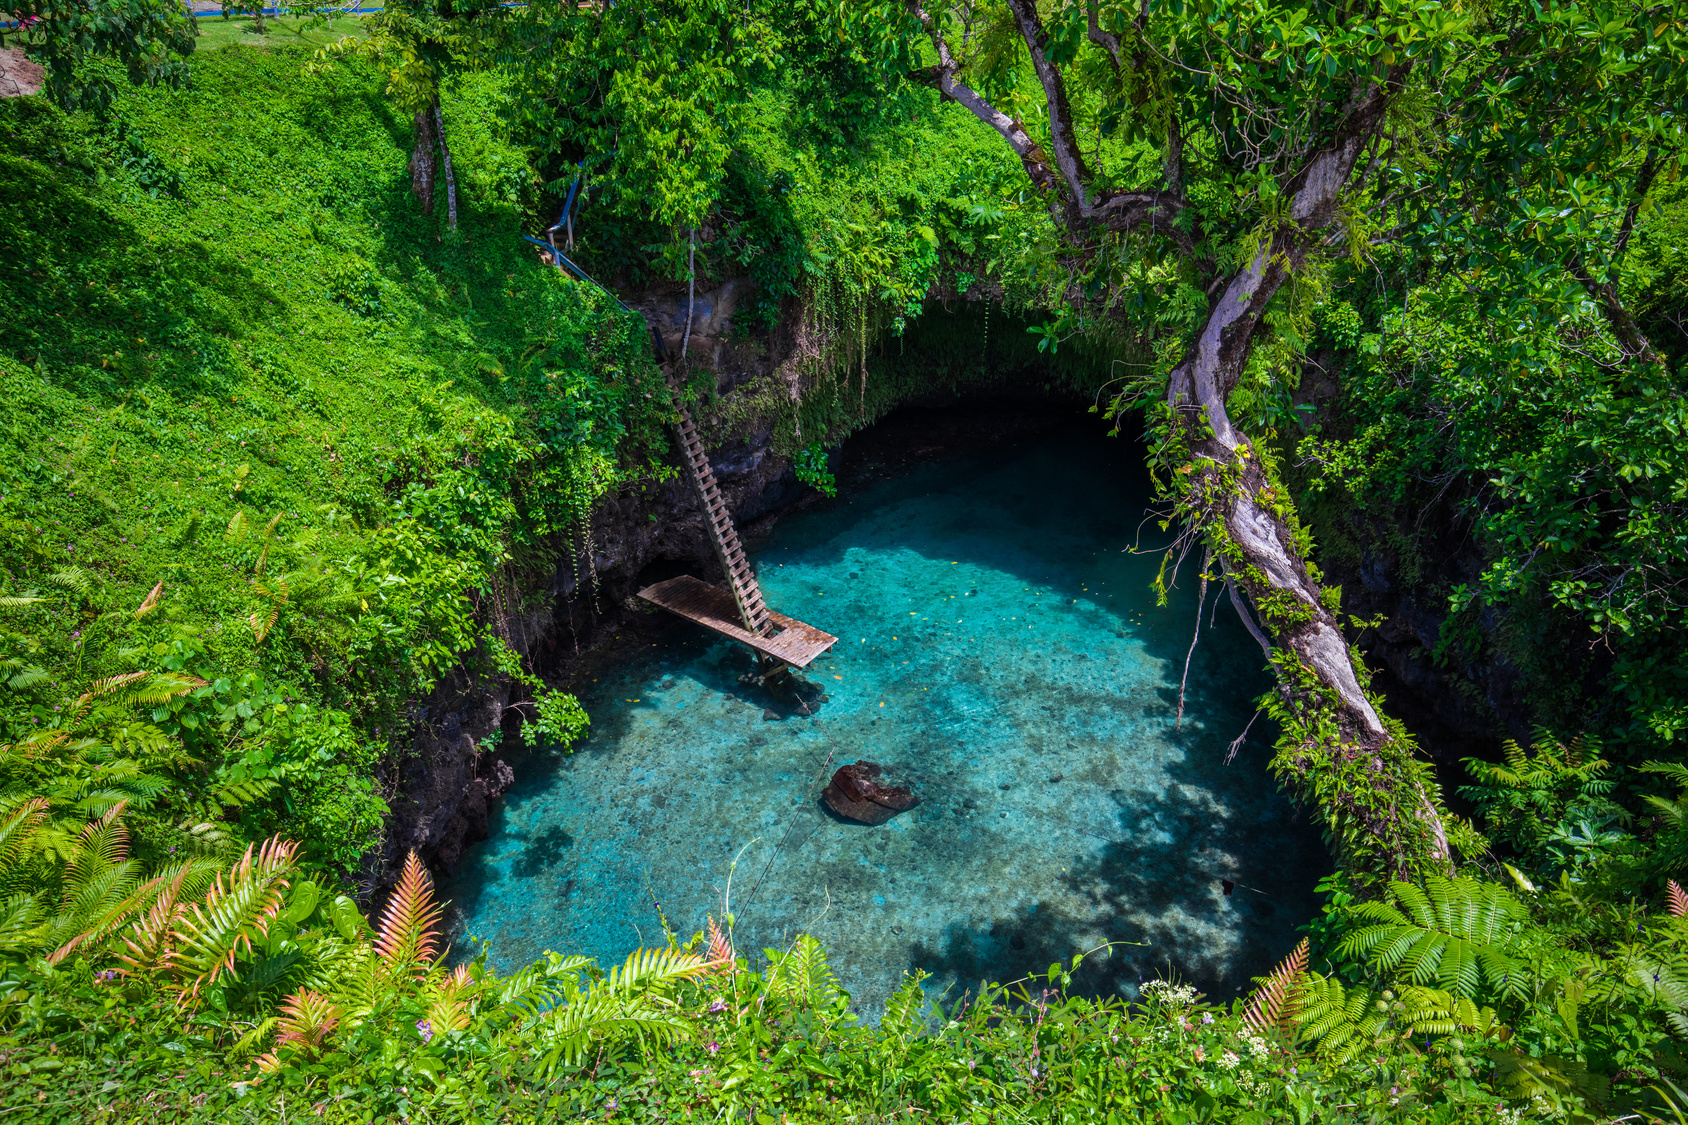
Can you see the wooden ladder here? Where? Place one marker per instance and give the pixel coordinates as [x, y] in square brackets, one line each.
[746, 592]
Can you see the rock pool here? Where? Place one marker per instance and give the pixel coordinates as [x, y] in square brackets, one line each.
[1001, 651]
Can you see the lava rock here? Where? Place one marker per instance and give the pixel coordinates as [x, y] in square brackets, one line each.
[856, 794]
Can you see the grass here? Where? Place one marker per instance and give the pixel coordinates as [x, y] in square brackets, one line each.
[217, 32]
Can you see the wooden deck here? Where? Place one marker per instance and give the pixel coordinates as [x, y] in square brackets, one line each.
[714, 608]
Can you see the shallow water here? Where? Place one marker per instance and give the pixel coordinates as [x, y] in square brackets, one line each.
[1001, 652]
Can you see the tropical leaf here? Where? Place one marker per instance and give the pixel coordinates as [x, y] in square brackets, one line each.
[1275, 1001]
[407, 941]
[238, 907]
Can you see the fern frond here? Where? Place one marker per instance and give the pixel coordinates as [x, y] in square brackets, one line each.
[407, 941]
[1274, 1002]
[307, 1018]
[1343, 1022]
[534, 989]
[802, 975]
[98, 922]
[720, 948]
[150, 603]
[72, 578]
[210, 935]
[111, 684]
[646, 970]
[19, 828]
[1678, 899]
[448, 1008]
[20, 917]
[104, 843]
[249, 1044]
[569, 1032]
[1452, 938]
[148, 946]
[162, 686]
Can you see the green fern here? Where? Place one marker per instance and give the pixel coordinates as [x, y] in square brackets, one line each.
[1449, 933]
[1343, 1022]
[801, 975]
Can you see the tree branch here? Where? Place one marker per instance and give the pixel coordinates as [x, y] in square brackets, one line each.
[1643, 184]
[1062, 135]
[942, 76]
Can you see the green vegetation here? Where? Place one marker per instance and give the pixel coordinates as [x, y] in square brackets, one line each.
[289, 447]
[273, 434]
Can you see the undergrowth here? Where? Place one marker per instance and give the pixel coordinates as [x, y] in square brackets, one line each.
[270, 427]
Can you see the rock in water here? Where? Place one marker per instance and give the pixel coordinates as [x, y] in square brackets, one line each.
[856, 794]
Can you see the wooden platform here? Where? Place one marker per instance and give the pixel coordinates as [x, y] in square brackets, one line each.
[713, 608]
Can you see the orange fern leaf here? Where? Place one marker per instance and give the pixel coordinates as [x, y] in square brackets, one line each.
[407, 942]
[151, 602]
[720, 947]
[1275, 1001]
[1678, 899]
[448, 1010]
[147, 946]
[307, 1018]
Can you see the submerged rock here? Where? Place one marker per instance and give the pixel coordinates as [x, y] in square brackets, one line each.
[855, 794]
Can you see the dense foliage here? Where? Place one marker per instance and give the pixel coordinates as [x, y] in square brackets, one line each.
[271, 434]
[288, 451]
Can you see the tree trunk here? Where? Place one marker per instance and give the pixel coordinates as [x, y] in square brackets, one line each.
[424, 161]
[450, 180]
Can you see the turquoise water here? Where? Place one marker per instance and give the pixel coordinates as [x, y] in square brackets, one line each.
[1001, 652]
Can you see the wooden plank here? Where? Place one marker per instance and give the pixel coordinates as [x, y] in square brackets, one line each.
[713, 608]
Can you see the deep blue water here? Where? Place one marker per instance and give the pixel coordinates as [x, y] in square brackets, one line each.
[1001, 650]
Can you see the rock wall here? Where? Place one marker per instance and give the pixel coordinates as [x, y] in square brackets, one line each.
[442, 789]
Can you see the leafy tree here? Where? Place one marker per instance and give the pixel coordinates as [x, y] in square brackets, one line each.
[150, 39]
[1289, 134]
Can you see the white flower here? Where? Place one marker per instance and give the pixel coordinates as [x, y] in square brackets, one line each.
[1257, 1046]
[1172, 995]
[1229, 1060]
